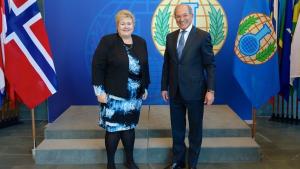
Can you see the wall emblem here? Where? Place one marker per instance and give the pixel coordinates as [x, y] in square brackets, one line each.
[208, 16]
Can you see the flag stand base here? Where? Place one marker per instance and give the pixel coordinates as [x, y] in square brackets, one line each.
[33, 153]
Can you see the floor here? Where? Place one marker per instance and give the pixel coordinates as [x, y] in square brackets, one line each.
[280, 145]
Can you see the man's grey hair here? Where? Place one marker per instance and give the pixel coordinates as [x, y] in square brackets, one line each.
[189, 8]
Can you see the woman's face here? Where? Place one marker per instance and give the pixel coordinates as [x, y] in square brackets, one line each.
[125, 27]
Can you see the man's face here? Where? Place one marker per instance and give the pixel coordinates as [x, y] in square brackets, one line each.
[183, 17]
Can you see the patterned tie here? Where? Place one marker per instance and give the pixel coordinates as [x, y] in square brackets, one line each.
[180, 44]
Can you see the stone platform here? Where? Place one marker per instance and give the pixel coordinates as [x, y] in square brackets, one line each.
[75, 138]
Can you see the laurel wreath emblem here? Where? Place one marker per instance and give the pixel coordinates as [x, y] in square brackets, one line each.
[247, 24]
[162, 25]
[266, 53]
[216, 25]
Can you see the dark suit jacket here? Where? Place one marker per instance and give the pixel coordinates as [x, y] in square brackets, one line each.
[194, 72]
[111, 64]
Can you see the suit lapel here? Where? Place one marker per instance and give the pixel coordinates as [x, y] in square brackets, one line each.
[174, 44]
[135, 48]
[120, 46]
[188, 42]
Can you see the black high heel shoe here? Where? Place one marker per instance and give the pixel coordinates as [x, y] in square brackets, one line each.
[111, 166]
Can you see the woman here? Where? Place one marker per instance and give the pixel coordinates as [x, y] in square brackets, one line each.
[121, 78]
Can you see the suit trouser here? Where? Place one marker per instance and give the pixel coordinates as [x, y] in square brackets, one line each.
[178, 107]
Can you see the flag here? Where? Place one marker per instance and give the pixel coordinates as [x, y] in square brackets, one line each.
[2, 79]
[286, 50]
[295, 56]
[256, 63]
[281, 20]
[29, 67]
[274, 13]
[2, 84]
[296, 12]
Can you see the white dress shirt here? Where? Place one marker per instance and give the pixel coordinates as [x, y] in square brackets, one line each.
[186, 35]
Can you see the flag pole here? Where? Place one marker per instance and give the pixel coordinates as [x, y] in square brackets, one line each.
[253, 122]
[297, 111]
[278, 107]
[33, 131]
[292, 118]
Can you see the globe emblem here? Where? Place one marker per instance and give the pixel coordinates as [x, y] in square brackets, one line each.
[208, 16]
[256, 39]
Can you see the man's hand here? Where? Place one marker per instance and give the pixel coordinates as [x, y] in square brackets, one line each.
[165, 95]
[209, 98]
[102, 98]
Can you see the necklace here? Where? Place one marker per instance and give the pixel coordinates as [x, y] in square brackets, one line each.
[128, 46]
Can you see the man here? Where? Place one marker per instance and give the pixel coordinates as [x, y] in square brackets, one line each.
[188, 80]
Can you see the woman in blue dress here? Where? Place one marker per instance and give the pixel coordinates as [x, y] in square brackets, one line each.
[120, 79]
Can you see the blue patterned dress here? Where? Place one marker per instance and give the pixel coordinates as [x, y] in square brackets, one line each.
[120, 114]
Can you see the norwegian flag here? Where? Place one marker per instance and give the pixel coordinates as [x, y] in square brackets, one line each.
[2, 79]
[28, 63]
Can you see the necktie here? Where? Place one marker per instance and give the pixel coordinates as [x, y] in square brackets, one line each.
[180, 44]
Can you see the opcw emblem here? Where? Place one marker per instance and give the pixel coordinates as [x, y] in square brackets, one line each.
[208, 15]
[256, 39]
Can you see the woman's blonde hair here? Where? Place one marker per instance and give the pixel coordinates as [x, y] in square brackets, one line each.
[124, 13]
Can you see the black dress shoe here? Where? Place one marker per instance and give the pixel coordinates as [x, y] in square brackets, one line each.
[174, 166]
[131, 165]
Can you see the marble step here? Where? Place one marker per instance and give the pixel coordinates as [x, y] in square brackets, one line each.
[81, 122]
[152, 150]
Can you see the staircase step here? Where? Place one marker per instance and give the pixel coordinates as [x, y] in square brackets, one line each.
[152, 150]
[81, 122]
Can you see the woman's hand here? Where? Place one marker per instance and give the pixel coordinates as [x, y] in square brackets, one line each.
[145, 95]
[102, 98]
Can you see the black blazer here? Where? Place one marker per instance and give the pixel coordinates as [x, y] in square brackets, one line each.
[194, 73]
[111, 65]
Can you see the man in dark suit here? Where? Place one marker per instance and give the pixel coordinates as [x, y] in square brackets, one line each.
[188, 80]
